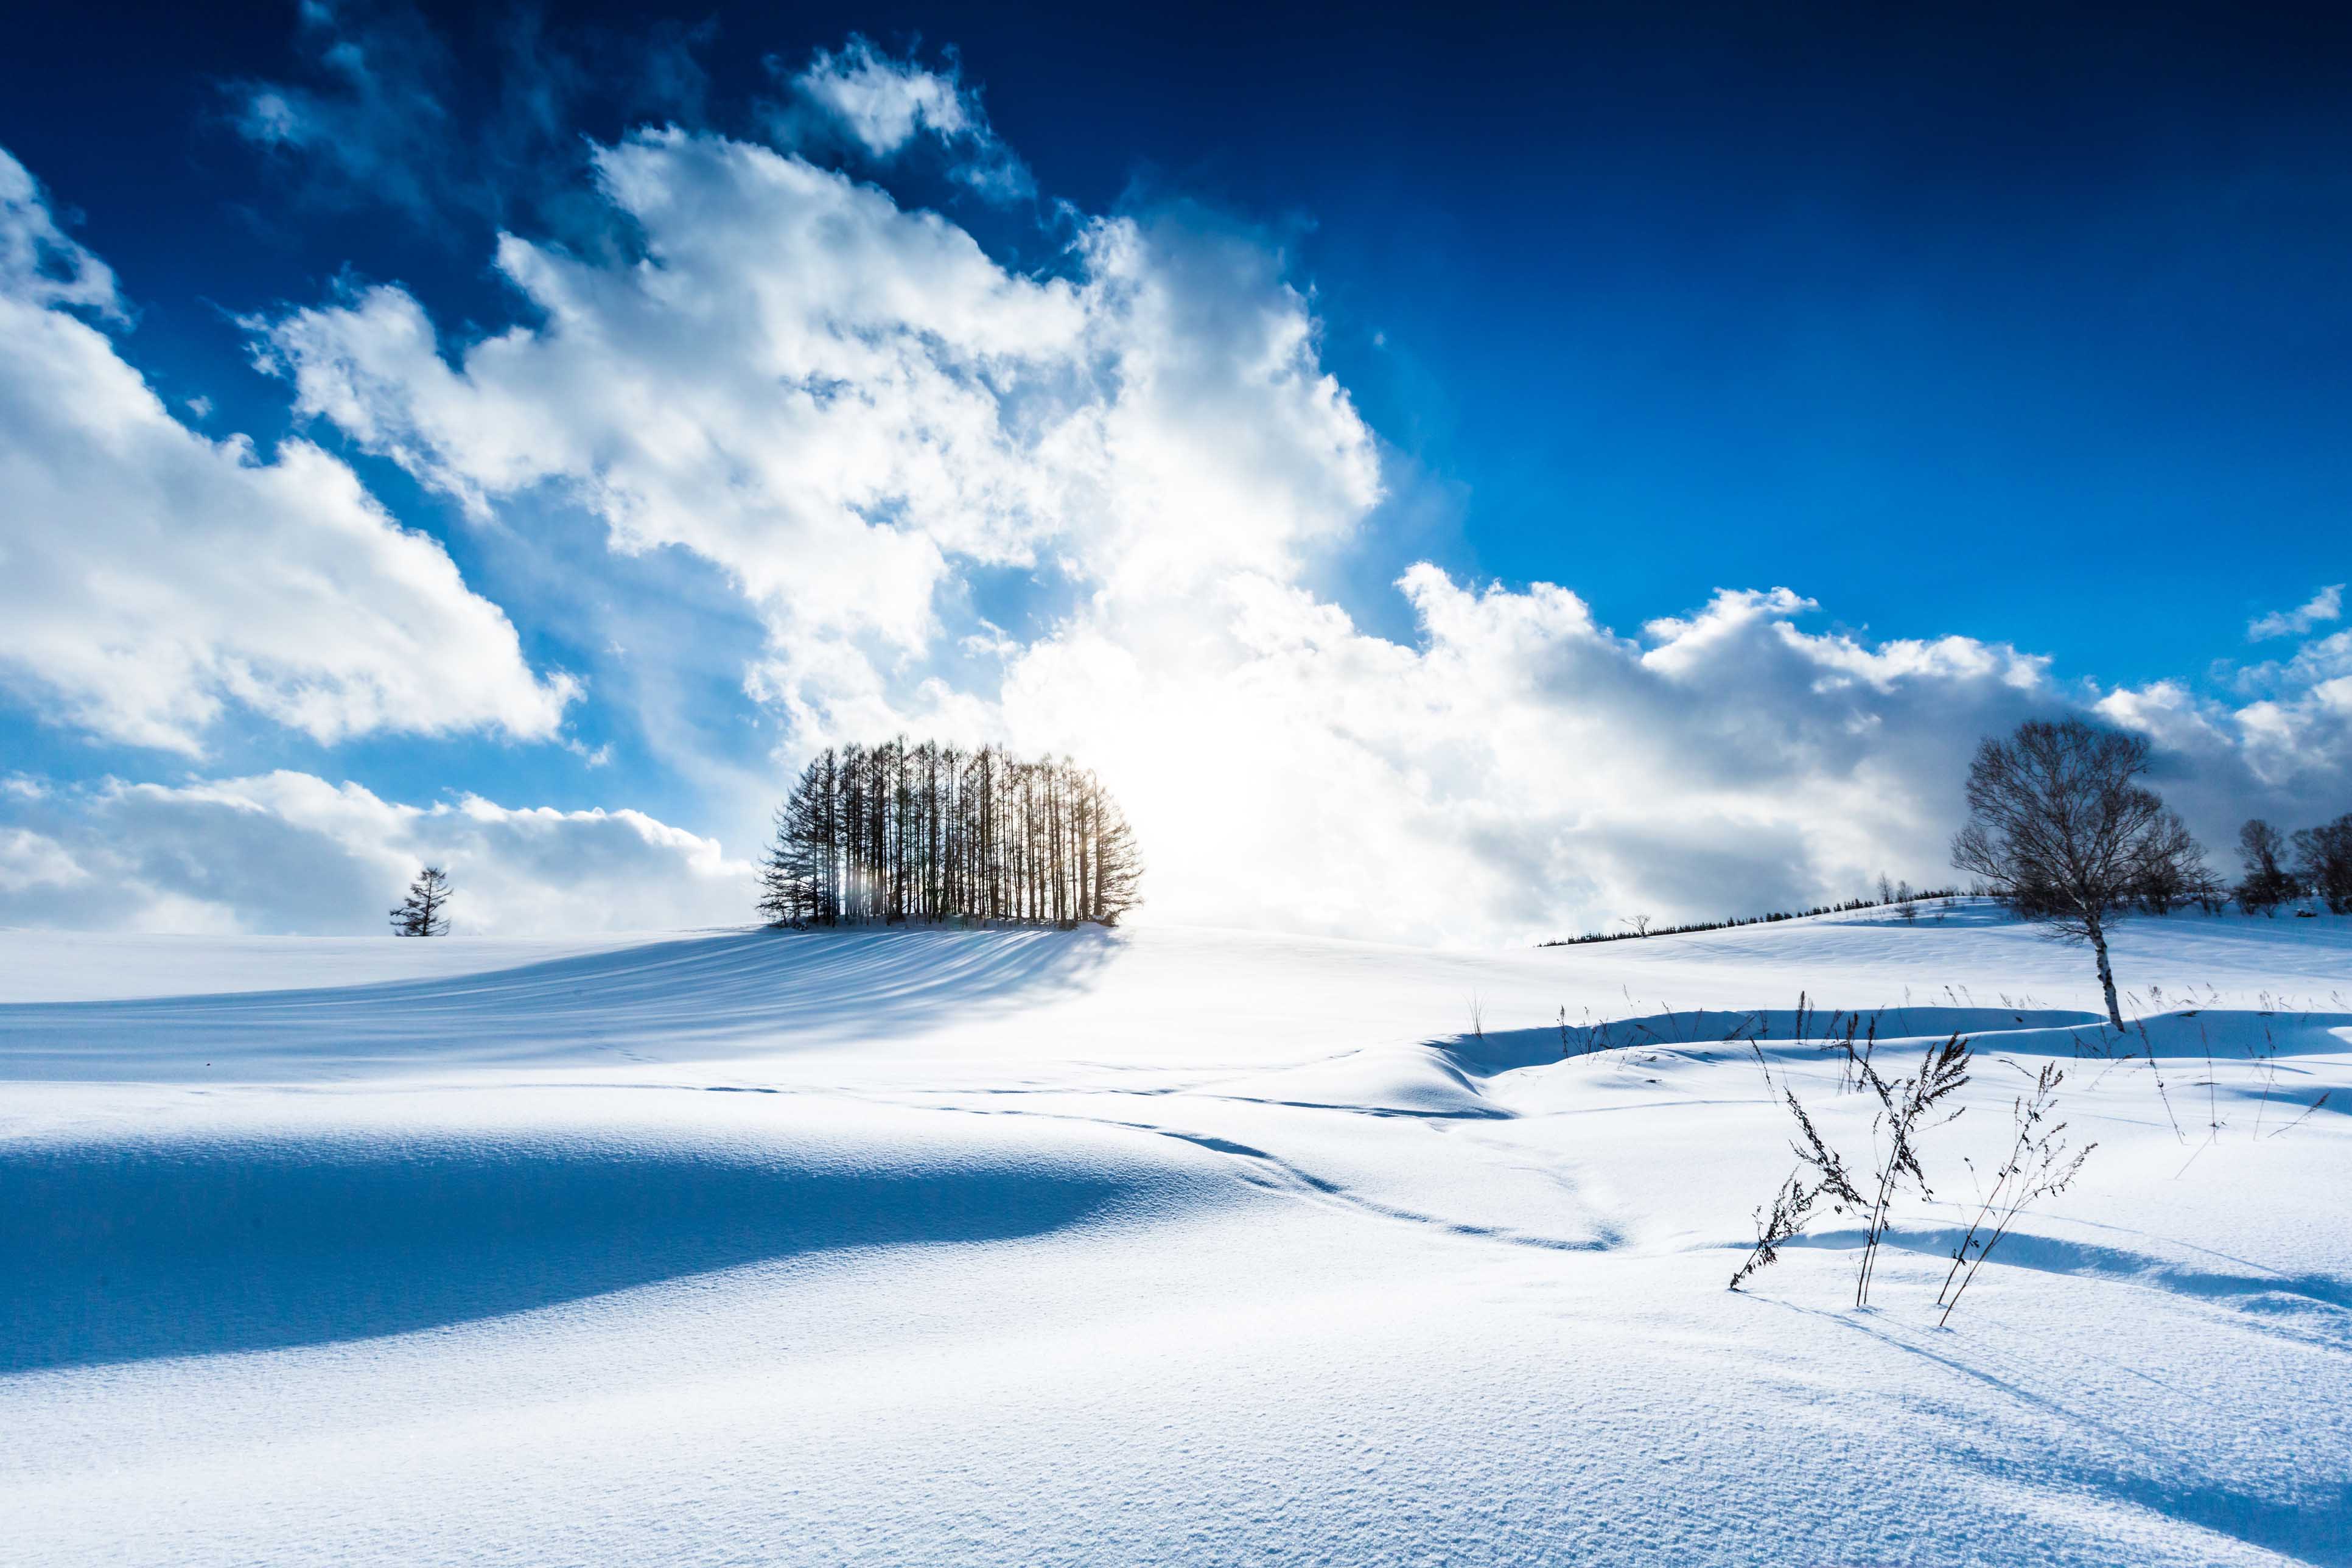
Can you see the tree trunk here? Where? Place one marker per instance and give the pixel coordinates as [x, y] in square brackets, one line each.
[2106, 973]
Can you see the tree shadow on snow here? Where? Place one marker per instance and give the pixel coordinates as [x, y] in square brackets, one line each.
[734, 993]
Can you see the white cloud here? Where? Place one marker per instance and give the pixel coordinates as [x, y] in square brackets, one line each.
[2322, 607]
[862, 418]
[149, 576]
[845, 404]
[291, 852]
[41, 265]
[1519, 770]
[2287, 750]
[28, 860]
[883, 104]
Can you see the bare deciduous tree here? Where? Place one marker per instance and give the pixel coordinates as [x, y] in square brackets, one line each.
[2062, 831]
[2322, 862]
[2267, 883]
[426, 911]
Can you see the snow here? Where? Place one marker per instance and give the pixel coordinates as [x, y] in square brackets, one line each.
[1160, 1246]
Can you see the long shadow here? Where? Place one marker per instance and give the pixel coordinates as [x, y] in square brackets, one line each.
[708, 995]
[1501, 1050]
[113, 1252]
[2056, 1255]
[1707, 1026]
[2307, 1519]
[2229, 1035]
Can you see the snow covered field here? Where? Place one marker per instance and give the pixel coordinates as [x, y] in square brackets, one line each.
[1166, 1245]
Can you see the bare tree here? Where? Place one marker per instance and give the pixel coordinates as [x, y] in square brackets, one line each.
[424, 912]
[2061, 831]
[2267, 883]
[2323, 861]
[2172, 871]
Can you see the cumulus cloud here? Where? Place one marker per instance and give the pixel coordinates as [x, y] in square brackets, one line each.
[2322, 607]
[2282, 745]
[29, 860]
[847, 404]
[149, 576]
[861, 416]
[1518, 769]
[1076, 509]
[41, 265]
[288, 852]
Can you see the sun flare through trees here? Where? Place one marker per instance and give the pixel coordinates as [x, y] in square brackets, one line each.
[873, 835]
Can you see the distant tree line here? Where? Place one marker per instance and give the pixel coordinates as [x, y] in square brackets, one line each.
[1902, 898]
[2316, 863]
[878, 835]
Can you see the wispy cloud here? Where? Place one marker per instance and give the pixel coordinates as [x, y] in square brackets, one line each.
[2322, 607]
[883, 104]
[376, 115]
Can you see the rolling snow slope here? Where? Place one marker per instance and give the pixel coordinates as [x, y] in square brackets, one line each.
[1169, 1246]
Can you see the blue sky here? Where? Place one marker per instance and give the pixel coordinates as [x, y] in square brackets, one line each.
[2023, 330]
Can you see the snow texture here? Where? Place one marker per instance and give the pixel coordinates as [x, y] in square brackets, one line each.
[1173, 1245]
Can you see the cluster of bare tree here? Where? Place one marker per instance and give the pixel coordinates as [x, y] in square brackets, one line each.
[2315, 864]
[899, 832]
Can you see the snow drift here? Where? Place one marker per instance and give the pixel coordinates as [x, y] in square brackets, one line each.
[1039, 1247]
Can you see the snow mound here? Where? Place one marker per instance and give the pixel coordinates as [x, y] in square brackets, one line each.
[326, 1222]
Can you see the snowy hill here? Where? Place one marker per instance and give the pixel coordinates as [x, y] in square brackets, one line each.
[1161, 1246]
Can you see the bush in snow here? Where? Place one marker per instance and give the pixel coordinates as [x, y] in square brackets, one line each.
[2037, 1166]
[1908, 1107]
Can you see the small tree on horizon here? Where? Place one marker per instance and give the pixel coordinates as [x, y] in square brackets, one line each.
[2061, 831]
[426, 911]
